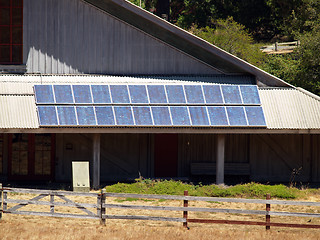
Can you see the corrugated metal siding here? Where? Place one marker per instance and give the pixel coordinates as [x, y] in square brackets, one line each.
[288, 108]
[18, 111]
[75, 37]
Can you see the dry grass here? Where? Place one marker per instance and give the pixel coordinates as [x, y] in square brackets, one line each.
[32, 227]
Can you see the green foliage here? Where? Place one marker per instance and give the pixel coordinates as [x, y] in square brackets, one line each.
[284, 66]
[233, 38]
[170, 187]
[302, 67]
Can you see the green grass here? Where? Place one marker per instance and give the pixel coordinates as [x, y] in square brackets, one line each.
[171, 187]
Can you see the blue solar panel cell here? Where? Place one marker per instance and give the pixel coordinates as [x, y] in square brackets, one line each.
[161, 116]
[142, 116]
[44, 94]
[250, 94]
[138, 94]
[212, 94]
[119, 94]
[124, 116]
[231, 94]
[100, 93]
[236, 116]
[63, 93]
[180, 116]
[67, 116]
[199, 116]
[47, 116]
[86, 116]
[82, 94]
[255, 116]
[175, 94]
[218, 116]
[157, 94]
[105, 115]
[194, 93]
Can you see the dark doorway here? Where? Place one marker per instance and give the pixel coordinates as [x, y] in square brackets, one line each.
[31, 156]
[165, 155]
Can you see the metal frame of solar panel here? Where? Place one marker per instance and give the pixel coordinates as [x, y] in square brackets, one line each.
[134, 105]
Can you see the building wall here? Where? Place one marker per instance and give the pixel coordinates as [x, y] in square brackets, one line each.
[62, 37]
[272, 158]
[123, 156]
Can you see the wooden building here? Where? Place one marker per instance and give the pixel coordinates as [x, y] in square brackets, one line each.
[94, 44]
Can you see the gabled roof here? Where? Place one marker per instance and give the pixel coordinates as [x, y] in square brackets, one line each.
[183, 40]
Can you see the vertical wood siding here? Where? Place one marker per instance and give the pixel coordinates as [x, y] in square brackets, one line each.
[68, 37]
[123, 156]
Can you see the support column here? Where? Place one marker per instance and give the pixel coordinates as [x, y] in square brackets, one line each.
[220, 159]
[96, 161]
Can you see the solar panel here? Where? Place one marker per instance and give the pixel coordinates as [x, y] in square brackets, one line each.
[44, 94]
[255, 116]
[67, 115]
[105, 116]
[100, 94]
[175, 94]
[199, 116]
[231, 94]
[142, 116]
[194, 93]
[138, 94]
[82, 94]
[236, 116]
[47, 116]
[250, 94]
[180, 116]
[63, 93]
[86, 116]
[161, 116]
[212, 94]
[142, 105]
[218, 116]
[119, 94]
[123, 116]
[157, 94]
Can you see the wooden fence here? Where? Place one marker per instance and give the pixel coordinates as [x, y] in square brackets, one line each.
[101, 206]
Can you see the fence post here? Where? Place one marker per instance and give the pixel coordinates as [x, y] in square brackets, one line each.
[0, 201]
[103, 208]
[185, 213]
[267, 213]
[51, 203]
[276, 46]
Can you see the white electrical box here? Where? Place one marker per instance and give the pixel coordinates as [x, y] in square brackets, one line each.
[80, 176]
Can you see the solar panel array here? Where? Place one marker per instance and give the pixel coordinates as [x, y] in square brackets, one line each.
[149, 105]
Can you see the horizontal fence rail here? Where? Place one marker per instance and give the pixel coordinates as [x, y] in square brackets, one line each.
[98, 210]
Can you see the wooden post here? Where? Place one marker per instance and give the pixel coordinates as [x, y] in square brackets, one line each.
[0, 201]
[220, 159]
[51, 203]
[4, 200]
[103, 209]
[185, 213]
[276, 46]
[267, 214]
[96, 160]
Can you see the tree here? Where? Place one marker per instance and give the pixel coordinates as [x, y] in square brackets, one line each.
[233, 38]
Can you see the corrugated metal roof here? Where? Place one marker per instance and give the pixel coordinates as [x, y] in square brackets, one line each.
[18, 111]
[100, 79]
[284, 108]
[289, 108]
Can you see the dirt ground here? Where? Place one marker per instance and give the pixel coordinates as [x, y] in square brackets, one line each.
[35, 227]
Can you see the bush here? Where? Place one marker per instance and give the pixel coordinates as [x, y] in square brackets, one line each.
[170, 187]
